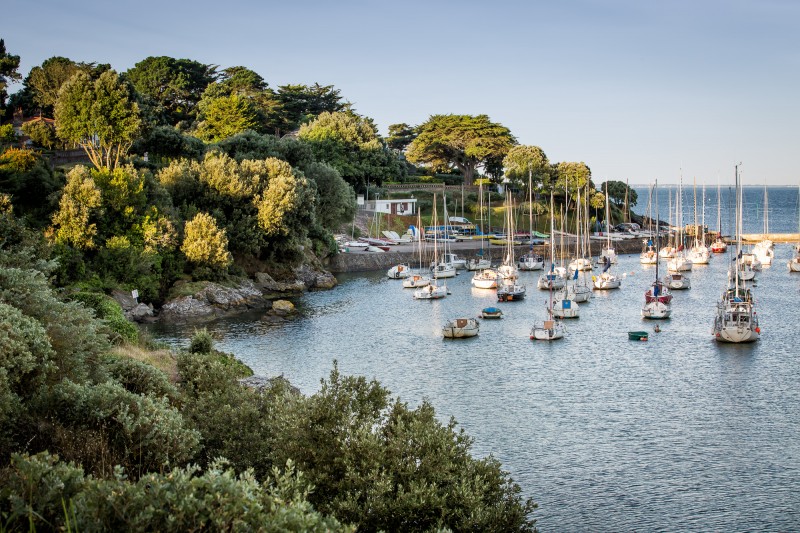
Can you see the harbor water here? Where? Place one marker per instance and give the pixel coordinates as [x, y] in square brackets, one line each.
[679, 433]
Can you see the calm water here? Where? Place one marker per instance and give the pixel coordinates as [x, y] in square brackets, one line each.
[675, 434]
[782, 206]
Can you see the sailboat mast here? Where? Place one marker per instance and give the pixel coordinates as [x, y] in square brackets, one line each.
[530, 207]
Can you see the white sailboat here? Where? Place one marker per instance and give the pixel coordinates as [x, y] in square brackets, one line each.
[443, 268]
[657, 299]
[764, 250]
[417, 280]
[719, 246]
[736, 320]
[509, 287]
[551, 280]
[699, 254]
[531, 260]
[551, 328]
[606, 280]
[433, 290]
[679, 262]
[649, 255]
[794, 262]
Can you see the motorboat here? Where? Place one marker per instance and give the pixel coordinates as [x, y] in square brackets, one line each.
[399, 271]
[460, 328]
[510, 290]
[485, 279]
[677, 281]
[431, 292]
[491, 313]
[531, 261]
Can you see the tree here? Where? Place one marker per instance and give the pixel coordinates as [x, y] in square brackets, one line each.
[400, 136]
[350, 144]
[523, 161]
[45, 81]
[571, 177]
[301, 103]
[41, 132]
[99, 116]
[617, 192]
[79, 200]
[336, 199]
[175, 85]
[226, 116]
[8, 72]
[464, 142]
[204, 243]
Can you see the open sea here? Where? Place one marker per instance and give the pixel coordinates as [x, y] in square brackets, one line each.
[679, 433]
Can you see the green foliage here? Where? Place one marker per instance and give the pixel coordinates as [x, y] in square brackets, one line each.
[7, 134]
[109, 311]
[167, 141]
[202, 341]
[617, 192]
[42, 133]
[287, 204]
[140, 433]
[99, 115]
[44, 82]
[204, 243]
[464, 142]
[27, 178]
[252, 145]
[8, 72]
[350, 144]
[301, 103]
[79, 200]
[42, 492]
[174, 85]
[571, 177]
[226, 116]
[142, 378]
[383, 466]
[400, 136]
[336, 200]
[522, 161]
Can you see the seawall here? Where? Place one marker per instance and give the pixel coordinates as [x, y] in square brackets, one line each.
[406, 253]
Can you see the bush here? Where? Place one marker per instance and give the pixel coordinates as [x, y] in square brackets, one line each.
[109, 311]
[202, 341]
[42, 492]
[142, 378]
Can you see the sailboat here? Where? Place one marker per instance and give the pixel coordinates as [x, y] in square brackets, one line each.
[680, 262]
[480, 262]
[444, 268]
[531, 260]
[699, 254]
[433, 290]
[719, 246]
[657, 299]
[668, 251]
[550, 329]
[764, 249]
[417, 280]
[508, 286]
[606, 280]
[736, 320]
[676, 280]
[579, 290]
[794, 262]
[649, 255]
[551, 280]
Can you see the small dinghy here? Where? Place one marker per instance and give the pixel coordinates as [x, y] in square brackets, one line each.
[491, 312]
[637, 335]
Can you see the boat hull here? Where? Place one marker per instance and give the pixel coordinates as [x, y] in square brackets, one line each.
[461, 328]
[656, 310]
[549, 330]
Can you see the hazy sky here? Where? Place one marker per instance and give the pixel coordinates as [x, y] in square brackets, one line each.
[637, 89]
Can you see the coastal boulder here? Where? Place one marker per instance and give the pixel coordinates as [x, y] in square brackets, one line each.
[266, 283]
[283, 308]
[315, 279]
[213, 299]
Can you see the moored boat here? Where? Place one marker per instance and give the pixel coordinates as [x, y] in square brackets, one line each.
[460, 328]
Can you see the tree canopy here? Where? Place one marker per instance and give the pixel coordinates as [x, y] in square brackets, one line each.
[522, 161]
[175, 85]
[98, 115]
[617, 191]
[464, 142]
[8, 72]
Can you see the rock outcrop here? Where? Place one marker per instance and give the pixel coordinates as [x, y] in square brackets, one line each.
[214, 299]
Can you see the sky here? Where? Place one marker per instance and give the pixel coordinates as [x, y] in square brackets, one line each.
[637, 89]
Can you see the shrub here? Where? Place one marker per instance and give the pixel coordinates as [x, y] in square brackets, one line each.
[142, 378]
[202, 341]
[109, 311]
